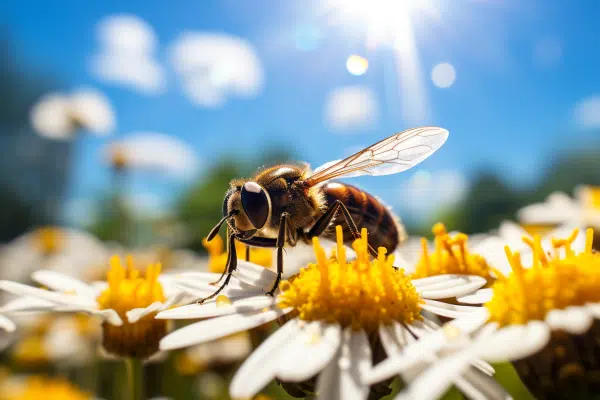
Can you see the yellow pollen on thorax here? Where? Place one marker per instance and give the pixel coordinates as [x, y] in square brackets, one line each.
[450, 256]
[40, 387]
[554, 281]
[217, 257]
[49, 240]
[361, 293]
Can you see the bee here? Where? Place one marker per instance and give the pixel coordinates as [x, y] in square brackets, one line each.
[287, 203]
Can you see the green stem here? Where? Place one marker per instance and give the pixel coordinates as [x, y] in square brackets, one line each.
[134, 370]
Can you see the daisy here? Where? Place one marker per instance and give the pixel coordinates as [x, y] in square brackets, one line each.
[451, 255]
[559, 209]
[59, 116]
[542, 317]
[152, 152]
[126, 303]
[335, 310]
[62, 250]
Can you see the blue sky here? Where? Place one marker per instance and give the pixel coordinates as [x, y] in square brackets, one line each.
[506, 110]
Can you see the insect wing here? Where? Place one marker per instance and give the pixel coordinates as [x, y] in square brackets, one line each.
[394, 154]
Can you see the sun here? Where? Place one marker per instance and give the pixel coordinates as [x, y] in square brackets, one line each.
[391, 23]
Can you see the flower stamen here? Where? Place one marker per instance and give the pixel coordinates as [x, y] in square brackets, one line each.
[361, 293]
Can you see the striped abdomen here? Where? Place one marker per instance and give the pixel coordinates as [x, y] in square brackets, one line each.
[368, 212]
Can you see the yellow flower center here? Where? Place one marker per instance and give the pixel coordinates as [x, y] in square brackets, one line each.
[40, 387]
[450, 256]
[360, 293]
[538, 229]
[592, 197]
[129, 289]
[49, 240]
[118, 158]
[217, 257]
[554, 281]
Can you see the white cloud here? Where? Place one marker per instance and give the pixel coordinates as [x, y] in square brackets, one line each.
[351, 107]
[443, 75]
[126, 55]
[428, 192]
[146, 205]
[587, 112]
[213, 67]
[154, 151]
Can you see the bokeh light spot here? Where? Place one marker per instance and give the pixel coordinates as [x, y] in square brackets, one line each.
[357, 65]
[443, 75]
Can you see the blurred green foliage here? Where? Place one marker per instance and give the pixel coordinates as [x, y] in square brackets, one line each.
[490, 199]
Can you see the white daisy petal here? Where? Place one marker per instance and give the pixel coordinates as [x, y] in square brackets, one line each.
[109, 316]
[479, 297]
[6, 324]
[576, 320]
[354, 363]
[470, 322]
[57, 298]
[311, 349]
[62, 283]
[342, 378]
[513, 342]
[594, 309]
[394, 337]
[206, 277]
[423, 283]
[215, 328]
[235, 289]
[213, 309]
[259, 369]
[447, 310]
[26, 304]
[437, 379]
[459, 286]
[255, 275]
[477, 385]
[136, 314]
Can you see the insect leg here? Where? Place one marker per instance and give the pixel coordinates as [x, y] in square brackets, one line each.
[231, 266]
[247, 252]
[324, 220]
[280, 243]
[226, 262]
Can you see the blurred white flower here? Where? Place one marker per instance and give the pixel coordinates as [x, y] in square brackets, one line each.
[126, 303]
[559, 208]
[152, 151]
[587, 112]
[213, 67]
[60, 116]
[351, 107]
[126, 54]
[58, 249]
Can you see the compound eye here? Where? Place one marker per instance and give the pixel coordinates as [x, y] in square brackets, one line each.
[255, 201]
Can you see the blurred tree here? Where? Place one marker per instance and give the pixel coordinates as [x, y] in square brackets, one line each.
[33, 170]
[488, 202]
